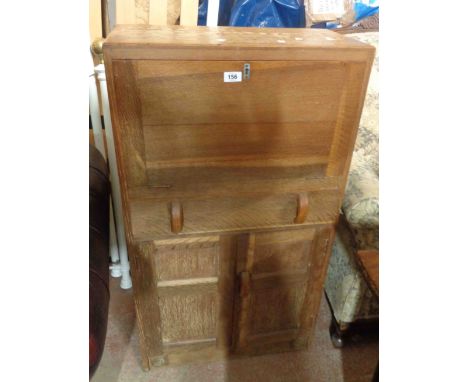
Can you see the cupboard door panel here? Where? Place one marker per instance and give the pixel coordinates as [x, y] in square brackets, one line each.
[280, 256]
[280, 282]
[196, 259]
[188, 318]
[277, 308]
[193, 291]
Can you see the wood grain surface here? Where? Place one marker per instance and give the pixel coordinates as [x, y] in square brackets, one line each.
[140, 36]
[280, 276]
[189, 12]
[158, 12]
[191, 287]
[231, 190]
[368, 260]
[152, 218]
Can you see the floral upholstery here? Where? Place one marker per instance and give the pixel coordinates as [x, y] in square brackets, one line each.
[361, 201]
[347, 291]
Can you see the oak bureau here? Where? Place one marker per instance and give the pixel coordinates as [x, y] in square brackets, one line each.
[233, 148]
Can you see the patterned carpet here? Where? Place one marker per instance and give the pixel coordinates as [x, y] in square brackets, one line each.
[322, 363]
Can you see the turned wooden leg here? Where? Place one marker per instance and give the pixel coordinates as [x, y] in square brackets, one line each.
[375, 378]
[336, 333]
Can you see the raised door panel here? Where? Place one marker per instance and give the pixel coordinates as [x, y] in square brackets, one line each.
[280, 276]
[193, 296]
[187, 276]
[189, 315]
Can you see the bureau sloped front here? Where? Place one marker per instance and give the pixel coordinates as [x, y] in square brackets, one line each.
[179, 121]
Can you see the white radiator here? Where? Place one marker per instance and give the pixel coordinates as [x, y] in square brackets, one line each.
[118, 246]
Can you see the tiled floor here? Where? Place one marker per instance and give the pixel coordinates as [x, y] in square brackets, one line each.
[322, 363]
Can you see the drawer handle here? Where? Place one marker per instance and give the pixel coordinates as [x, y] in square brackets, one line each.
[177, 217]
[302, 208]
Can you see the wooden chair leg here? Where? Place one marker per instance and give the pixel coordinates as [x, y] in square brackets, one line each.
[336, 334]
[375, 378]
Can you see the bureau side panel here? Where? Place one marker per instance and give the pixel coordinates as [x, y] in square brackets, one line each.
[351, 102]
[127, 121]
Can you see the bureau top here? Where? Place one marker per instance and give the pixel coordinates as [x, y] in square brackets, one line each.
[230, 43]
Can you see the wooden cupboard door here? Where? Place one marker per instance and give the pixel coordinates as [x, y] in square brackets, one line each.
[280, 278]
[193, 297]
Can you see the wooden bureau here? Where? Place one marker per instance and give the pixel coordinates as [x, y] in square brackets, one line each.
[233, 148]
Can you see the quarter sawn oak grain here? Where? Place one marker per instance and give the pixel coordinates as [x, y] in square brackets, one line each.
[231, 190]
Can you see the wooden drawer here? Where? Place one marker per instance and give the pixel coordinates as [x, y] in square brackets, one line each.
[150, 218]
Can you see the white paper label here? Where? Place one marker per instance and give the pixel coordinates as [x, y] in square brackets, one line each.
[232, 76]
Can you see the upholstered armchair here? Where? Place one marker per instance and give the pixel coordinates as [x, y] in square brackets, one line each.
[98, 256]
[347, 291]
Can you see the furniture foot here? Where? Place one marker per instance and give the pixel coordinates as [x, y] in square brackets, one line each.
[126, 281]
[115, 270]
[336, 334]
[375, 377]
